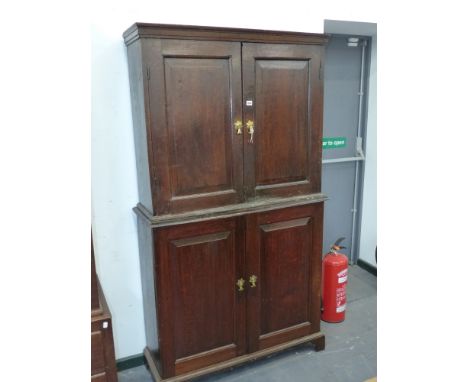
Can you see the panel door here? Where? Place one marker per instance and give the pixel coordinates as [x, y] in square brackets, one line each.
[284, 254]
[201, 311]
[194, 93]
[282, 96]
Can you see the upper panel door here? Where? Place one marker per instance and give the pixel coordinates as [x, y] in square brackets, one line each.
[201, 310]
[282, 97]
[194, 94]
[283, 254]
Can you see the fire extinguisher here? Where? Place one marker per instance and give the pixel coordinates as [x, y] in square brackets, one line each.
[334, 281]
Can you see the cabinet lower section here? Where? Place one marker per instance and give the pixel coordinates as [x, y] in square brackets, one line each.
[317, 340]
[221, 292]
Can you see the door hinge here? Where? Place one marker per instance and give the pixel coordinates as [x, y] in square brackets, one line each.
[321, 71]
[148, 76]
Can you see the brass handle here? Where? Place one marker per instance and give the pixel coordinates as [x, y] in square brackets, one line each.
[250, 129]
[253, 281]
[240, 283]
[238, 127]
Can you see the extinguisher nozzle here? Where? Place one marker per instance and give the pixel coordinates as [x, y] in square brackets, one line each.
[336, 246]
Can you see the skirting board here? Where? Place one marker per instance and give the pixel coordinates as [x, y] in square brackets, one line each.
[317, 339]
[366, 266]
[130, 362]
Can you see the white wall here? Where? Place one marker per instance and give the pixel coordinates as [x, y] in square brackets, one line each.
[368, 234]
[114, 188]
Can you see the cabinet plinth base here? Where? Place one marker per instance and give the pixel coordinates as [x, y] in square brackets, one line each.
[316, 339]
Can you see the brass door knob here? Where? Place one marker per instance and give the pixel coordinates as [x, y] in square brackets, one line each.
[240, 284]
[238, 127]
[253, 281]
[250, 129]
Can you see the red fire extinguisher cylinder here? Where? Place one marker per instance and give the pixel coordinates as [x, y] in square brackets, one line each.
[334, 282]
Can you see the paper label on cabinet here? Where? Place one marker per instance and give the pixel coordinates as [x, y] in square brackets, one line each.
[249, 102]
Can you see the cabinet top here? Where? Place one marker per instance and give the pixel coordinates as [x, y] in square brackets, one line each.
[192, 32]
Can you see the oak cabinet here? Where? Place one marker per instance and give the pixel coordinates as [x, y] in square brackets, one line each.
[221, 122]
[228, 130]
[233, 286]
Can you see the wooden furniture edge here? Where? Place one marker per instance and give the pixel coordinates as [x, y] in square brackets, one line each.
[108, 342]
[103, 313]
[256, 206]
[196, 32]
[97, 312]
[318, 339]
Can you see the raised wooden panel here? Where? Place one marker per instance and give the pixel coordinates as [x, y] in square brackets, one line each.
[199, 267]
[194, 93]
[200, 264]
[198, 116]
[285, 273]
[98, 361]
[285, 86]
[282, 134]
[284, 252]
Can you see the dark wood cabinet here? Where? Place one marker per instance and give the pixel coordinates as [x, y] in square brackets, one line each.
[103, 367]
[221, 122]
[228, 128]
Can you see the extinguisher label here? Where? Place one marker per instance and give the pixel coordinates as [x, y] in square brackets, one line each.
[343, 276]
[341, 299]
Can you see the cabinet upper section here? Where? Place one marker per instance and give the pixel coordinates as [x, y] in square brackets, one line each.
[191, 32]
[221, 120]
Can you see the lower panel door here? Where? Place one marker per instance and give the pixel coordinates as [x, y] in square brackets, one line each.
[284, 259]
[201, 311]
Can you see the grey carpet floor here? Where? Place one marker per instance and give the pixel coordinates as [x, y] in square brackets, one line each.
[350, 353]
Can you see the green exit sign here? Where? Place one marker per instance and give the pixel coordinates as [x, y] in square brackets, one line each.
[333, 142]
